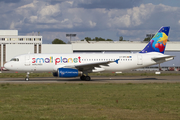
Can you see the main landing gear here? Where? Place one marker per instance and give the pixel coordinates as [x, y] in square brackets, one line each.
[87, 78]
[27, 76]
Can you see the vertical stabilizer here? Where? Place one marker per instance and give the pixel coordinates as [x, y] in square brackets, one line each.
[158, 42]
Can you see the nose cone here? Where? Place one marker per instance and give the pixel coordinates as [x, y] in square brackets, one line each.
[7, 66]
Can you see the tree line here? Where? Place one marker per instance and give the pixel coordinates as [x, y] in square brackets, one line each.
[59, 41]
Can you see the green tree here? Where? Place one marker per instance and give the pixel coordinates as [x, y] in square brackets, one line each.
[96, 39]
[120, 38]
[58, 41]
[87, 39]
[109, 40]
[147, 39]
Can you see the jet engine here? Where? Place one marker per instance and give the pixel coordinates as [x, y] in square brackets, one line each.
[67, 72]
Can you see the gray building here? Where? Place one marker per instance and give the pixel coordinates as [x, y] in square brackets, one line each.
[12, 44]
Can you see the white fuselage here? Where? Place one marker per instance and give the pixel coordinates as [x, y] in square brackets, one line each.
[51, 62]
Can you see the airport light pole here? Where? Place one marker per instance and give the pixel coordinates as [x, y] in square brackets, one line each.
[70, 35]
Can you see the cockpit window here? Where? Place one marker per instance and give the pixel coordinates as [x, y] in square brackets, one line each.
[14, 59]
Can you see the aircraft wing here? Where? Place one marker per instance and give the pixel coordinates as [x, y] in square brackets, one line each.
[91, 66]
[163, 58]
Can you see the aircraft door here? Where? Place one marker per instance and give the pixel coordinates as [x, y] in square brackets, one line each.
[139, 60]
[27, 60]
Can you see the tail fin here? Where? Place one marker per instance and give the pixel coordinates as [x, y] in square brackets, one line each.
[158, 42]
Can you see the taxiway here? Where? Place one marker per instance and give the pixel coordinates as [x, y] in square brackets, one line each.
[112, 79]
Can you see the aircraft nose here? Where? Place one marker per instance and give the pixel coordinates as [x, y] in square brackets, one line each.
[7, 66]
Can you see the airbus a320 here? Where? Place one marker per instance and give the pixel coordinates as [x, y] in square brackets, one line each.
[73, 65]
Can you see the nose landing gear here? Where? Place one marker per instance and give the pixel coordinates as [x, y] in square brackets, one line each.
[27, 76]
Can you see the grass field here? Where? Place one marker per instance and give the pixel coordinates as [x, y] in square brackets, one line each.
[90, 101]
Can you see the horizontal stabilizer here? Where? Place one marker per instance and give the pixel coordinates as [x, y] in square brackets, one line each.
[166, 58]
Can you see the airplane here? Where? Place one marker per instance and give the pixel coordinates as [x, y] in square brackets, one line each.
[74, 65]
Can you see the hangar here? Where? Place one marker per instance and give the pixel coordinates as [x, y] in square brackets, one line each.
[11, 44]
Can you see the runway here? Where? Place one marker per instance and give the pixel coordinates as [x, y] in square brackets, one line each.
[112, 79]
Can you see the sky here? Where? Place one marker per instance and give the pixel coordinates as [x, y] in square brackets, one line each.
[109, 19]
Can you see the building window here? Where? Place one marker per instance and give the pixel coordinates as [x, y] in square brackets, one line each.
[20, 39]
[14, 39]
[37, 39]
[28, 39]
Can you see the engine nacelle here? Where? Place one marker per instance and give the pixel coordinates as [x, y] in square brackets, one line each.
[67, 72]
[55, 74]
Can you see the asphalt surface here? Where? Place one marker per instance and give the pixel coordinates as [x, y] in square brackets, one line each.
[112, 79]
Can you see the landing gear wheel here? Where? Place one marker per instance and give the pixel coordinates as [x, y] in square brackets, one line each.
[82, 77]
[87, 78]
[26, 79]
